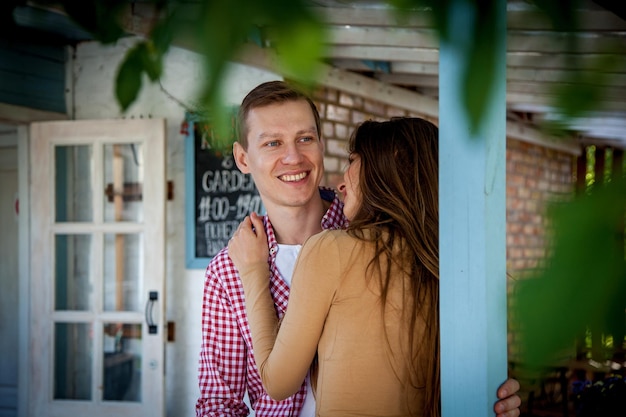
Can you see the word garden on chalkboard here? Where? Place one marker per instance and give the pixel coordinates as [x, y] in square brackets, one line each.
[223, 197]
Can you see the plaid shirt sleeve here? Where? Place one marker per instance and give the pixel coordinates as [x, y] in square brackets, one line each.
[226, 367]
[223, 354]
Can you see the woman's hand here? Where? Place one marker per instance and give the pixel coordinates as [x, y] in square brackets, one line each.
[508, 399]
[248, 246]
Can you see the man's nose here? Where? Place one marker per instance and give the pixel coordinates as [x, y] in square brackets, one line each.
[293, 155]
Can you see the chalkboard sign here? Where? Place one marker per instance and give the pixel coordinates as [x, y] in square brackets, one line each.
[219, 196]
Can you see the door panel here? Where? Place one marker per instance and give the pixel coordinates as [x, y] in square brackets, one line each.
[97, 243]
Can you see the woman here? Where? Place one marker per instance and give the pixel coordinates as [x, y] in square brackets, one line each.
[365, 299]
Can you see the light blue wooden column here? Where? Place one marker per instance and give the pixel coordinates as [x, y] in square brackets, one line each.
[472, 230]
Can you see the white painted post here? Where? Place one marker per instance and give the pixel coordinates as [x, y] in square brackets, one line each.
[472, 228]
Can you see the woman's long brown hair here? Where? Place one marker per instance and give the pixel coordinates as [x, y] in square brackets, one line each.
[399, 188]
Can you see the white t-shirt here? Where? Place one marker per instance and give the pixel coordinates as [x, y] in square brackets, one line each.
[285, 261]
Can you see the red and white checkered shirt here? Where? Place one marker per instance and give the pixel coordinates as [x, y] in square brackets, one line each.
[227, 367]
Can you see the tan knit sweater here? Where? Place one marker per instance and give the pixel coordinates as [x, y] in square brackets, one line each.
[335, 311]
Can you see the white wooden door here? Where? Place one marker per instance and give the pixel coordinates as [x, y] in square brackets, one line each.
[97, 273]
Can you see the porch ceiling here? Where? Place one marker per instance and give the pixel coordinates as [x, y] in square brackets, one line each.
[367, 39]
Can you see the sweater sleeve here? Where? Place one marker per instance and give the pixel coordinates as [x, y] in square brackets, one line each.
[284, 356]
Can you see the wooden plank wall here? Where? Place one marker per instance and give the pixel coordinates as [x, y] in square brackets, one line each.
[32, 72]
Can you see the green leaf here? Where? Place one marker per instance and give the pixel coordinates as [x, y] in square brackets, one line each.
[562, 14]
[221, 119]
[583, 283]
[151, 60]
[163, 33]
[481, 71]
[300, 49]
[128, 80]
[581, 92]
[478, 81]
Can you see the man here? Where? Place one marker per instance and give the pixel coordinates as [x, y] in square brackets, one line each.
[280, 146]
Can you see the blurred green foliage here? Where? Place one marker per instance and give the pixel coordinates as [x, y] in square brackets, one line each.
[581, 289]
[216, 29]
[219, 29]
[582, 284]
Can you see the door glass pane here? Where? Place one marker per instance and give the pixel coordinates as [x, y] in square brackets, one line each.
[123, 255]
[123, 182]
[72, 361]
[72, 263]
[73, 183]
[122, 362]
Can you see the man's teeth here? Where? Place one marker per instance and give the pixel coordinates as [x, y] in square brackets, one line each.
[290, 178]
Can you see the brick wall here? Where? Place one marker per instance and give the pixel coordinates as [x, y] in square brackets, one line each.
[340, 113]
[535, 174]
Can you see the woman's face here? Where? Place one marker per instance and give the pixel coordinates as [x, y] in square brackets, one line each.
[350, 187]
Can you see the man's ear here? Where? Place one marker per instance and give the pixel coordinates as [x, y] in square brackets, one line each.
[241, 158]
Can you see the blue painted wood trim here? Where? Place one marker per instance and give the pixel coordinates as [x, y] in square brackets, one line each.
[472, 230]
[192, 261]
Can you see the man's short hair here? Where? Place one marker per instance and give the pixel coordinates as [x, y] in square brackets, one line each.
[267, 93]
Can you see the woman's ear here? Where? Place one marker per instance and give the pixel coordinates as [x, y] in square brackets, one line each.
[241, 158]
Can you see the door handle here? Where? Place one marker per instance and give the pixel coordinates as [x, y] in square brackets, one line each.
[153, 296]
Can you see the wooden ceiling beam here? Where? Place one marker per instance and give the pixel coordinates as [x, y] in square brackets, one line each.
[592, 62]
[590, 20]
[350, 83]
[521, 101]
[514, 75]
[540, 42]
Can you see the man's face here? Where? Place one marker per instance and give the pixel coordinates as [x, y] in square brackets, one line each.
[285, 155]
